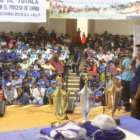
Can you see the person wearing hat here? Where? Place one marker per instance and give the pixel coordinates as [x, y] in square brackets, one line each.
[51, 89]
[118, 75]
[135, 88]
[44, 82]
[12, 55]
[38, 94]
[25, 66]
[10, 95]
[31, 81]
[5, 81]
[107, 82]
[24, 54]
[21, 73]
[18, 60]
[34, 56]
[48, 67]
[33, 72]
[7, 72]
[16, 82]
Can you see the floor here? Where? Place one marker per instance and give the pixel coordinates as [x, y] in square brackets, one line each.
[17, 118]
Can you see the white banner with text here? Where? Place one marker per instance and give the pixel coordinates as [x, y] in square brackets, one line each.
[32, 11]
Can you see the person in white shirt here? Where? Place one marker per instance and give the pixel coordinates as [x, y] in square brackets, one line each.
[38, 94]
[108, 56]
[100, 56]
[10, 95]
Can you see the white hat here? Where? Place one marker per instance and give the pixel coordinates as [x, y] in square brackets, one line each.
[8, 84]
[104, 122]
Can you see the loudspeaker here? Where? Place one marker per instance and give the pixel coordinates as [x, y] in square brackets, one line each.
[2, 108]
[71, 106]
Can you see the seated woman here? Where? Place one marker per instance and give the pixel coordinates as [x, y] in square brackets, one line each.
[24, 97]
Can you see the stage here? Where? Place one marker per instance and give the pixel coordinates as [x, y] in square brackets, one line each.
[17, 118]
[20, 123]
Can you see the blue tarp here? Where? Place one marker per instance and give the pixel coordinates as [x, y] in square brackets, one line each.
[128, 123]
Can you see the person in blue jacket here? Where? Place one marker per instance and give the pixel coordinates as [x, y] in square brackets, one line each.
[44, 82]
[12, 55]
[21, 73]
[33, 72]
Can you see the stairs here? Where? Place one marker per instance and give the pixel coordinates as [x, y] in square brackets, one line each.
[74, 81]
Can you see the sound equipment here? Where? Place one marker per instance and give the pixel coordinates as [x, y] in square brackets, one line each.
[2, 108]
[71, 106]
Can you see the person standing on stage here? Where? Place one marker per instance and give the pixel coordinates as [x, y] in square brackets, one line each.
[135, 89]
[127, 75]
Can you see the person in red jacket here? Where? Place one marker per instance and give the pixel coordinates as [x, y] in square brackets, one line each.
[92, 68]
[83, 39]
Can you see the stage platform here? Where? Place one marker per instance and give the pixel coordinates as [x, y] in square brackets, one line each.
[18, 118]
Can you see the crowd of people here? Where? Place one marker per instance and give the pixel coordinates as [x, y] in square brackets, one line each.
[28, 65]
[108, 57]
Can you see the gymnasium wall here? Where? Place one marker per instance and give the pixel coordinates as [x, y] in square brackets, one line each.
[121, 27]
[15, 27]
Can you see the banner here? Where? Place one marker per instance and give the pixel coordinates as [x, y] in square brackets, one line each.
[95, 9]
[32, 11]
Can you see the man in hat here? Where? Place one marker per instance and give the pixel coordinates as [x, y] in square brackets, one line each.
[16, 82]
[50, 91]
[25, 66]
[135, 88]
[53, 88]
[18, 60]
[33, 72]
[21, 73]
[38, 94]
[5, 81]
[31, 81]
[10, 95]
[44, 82]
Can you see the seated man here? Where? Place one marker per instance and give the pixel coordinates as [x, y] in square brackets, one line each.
[44, 82]
[21, 73]
[50, 90]
[10, 95]
[16, 82]
[53, 88]
[33, 72]
[38, 94]
[5, 81]
[31, 81]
